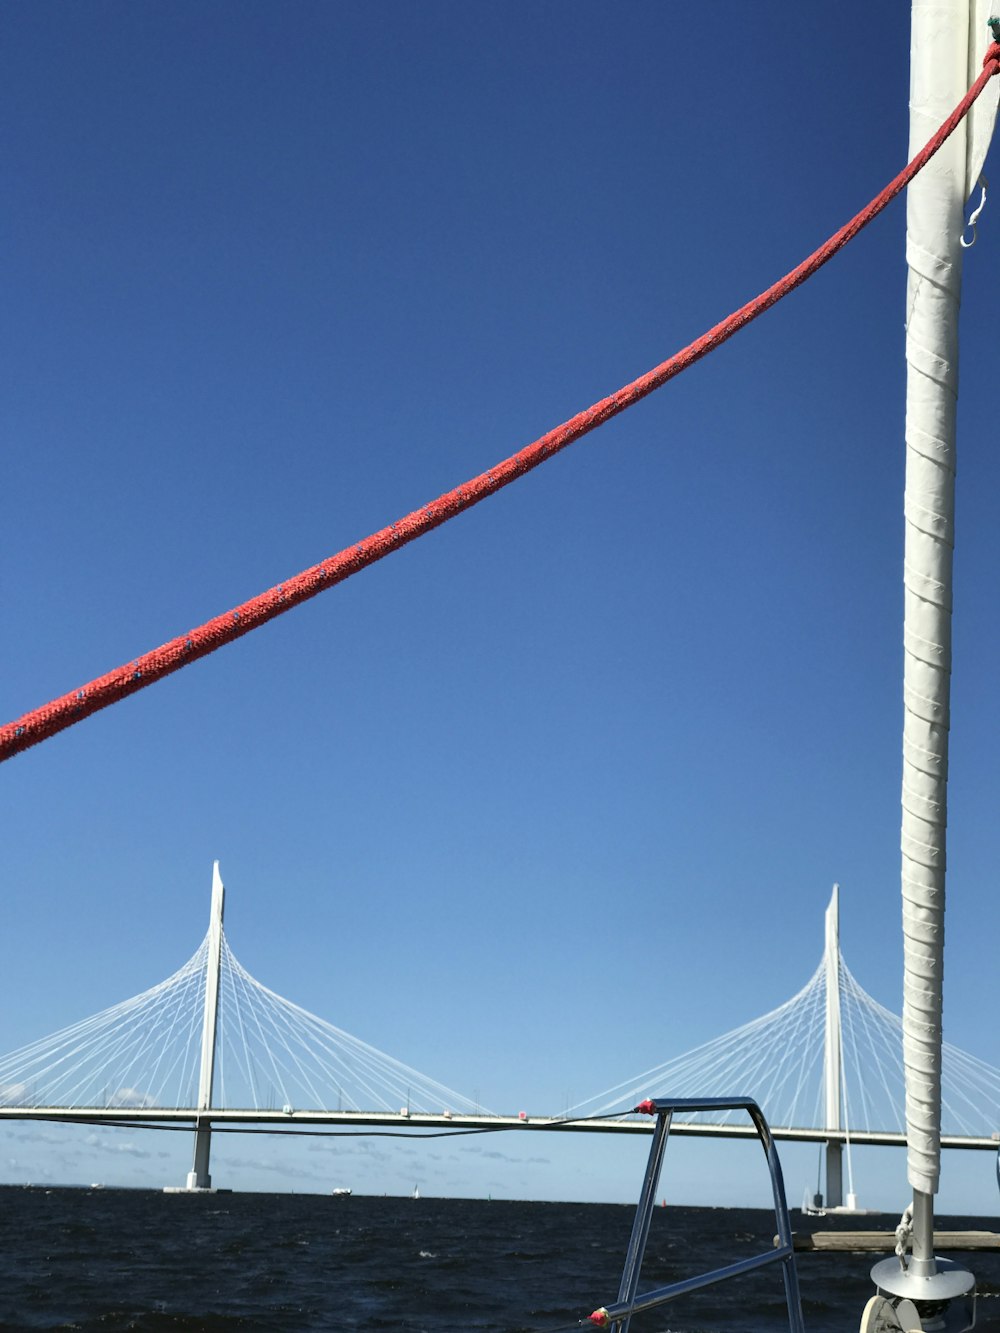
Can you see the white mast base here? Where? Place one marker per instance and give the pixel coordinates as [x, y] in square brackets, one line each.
[922, 1297]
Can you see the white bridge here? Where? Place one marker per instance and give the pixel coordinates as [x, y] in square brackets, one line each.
[211, 1046]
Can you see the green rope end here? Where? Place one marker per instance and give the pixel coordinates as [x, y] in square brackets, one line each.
[995, 28]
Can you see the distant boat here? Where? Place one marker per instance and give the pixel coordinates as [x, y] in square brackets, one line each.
[416, 1192]
[813, 1206]
[340, 1193]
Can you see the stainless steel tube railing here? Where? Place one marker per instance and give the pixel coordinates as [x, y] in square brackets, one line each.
[617, 1316]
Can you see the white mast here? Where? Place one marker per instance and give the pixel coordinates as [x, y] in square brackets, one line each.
[948, 41]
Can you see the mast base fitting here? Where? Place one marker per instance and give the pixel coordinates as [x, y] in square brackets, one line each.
[923, 1303]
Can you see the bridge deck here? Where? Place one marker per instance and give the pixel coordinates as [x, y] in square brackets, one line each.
[394, 1121]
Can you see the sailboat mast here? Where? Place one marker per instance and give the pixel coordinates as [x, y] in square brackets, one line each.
[939, 70]
[945, 35]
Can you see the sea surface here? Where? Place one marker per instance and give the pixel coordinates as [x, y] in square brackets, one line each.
[130, 1259]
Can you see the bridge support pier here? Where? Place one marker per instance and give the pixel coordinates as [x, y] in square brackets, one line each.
[199, 1177]
[834, 1196]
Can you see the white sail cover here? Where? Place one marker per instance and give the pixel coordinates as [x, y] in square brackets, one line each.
[948, 41]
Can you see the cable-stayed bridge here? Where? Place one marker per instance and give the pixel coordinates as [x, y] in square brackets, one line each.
[212, 1045]
[270, 1055]
[827, 1064]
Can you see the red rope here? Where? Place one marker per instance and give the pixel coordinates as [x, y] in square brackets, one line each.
[108, 689]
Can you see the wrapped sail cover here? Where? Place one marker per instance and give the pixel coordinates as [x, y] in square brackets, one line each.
[948, 40]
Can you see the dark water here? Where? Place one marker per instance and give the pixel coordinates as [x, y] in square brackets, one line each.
[123, 1259]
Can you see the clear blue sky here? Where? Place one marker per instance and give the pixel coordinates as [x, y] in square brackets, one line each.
[559, 791]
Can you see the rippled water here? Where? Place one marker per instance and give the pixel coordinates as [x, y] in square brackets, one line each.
[130, 1259]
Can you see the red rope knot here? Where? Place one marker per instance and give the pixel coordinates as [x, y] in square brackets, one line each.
[992, 56]
[648, 1107]
[600, 1317]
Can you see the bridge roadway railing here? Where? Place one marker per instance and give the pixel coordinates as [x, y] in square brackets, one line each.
[414, 1122]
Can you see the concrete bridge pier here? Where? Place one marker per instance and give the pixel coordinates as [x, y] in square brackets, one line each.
[199, 1177]
[834, 1196]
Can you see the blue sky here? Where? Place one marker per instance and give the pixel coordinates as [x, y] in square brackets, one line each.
[559, 791]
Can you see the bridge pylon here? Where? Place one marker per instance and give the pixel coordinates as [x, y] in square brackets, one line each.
[834, 1086]
[833, 1054]
[199, 1177]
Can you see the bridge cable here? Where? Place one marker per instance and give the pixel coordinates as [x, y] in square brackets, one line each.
[105, 690]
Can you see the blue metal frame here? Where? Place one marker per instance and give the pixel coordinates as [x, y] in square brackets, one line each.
[618, 1316]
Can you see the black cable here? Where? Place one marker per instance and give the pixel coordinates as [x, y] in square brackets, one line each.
[374, 1133]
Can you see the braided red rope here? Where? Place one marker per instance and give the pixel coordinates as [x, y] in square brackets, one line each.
[108, 689]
